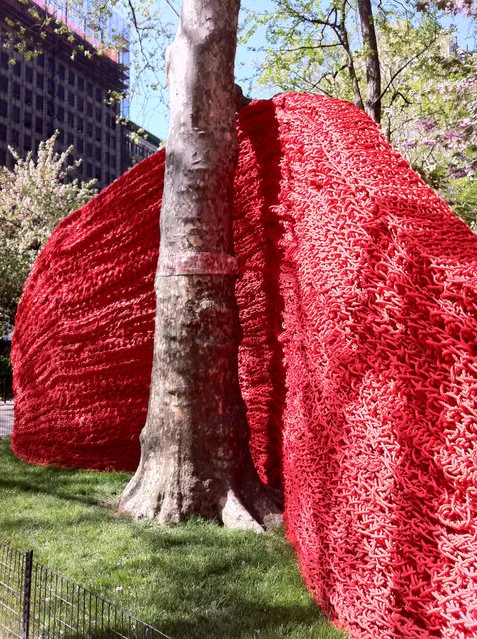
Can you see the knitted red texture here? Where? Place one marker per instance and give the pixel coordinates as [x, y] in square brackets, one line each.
[82, 346]
[357, 297]
[362, 281]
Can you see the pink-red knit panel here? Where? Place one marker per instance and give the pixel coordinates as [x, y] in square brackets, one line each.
[357, 296]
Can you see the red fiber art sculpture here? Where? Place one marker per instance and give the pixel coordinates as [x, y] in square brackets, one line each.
[358, 303]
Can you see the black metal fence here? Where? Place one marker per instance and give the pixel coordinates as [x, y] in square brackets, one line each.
[6, 391]
[38, 603]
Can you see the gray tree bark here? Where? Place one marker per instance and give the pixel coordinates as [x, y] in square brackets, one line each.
[195, 457]
[373, 69]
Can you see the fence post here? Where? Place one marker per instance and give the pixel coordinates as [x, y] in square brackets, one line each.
[27, 593]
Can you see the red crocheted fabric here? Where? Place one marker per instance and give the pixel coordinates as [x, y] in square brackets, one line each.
[82, 345]
[357, 296]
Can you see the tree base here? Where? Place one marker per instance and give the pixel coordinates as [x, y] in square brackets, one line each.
[253, 507]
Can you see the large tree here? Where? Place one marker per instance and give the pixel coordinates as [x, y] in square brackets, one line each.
[195, 456]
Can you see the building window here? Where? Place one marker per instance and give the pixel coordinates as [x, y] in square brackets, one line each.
[89, 169]
[70, 139]
[40, 60]
[15, 137]
[17, 68]
[28, 97]
[26, 143]
[16, 90]
[80, 146]
[51, 65]
[60, 114]
[80, 83]
[4, 60]
[40, 79]
[3, 157]
[71, 78]
[27, 120]
[3, 133]
[51, 86]
[29, 74]
[50, 108]
[89, 110]
[71, 119]
[89, 88]
[80, 125]
[99, 94]
[89, 151]
[80, 106]
[39, 126]
[89, 131]
[16, 114]
[98, 134]
[39, 102]
[3, 108]
[3, 84]
[61, 93]
[98, 115]
[98, 154]
[71, 98]
[113, 160]
[113, 122]
[61, 71]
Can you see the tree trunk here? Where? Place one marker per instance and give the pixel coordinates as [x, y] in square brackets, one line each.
[195, 458]
[343, 37]
[373, 70]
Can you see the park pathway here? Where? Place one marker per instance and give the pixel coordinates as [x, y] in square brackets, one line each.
[6, 419]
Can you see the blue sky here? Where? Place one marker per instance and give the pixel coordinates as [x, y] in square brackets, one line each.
[151, 112]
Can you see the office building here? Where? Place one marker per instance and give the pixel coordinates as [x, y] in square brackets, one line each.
[141, 144]
[52, 91]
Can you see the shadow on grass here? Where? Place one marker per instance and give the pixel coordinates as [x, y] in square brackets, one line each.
[193, 581]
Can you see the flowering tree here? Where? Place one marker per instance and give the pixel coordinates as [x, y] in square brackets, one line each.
[35, 196]
[455, 7]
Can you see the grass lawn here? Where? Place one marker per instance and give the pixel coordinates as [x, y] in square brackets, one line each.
[193, 581]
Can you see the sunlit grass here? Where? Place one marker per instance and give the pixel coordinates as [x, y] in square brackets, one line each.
[193, 581]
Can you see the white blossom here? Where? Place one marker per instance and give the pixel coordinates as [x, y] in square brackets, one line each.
[34, 196]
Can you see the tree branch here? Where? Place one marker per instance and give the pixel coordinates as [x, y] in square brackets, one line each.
[406, 64]
[343, 38]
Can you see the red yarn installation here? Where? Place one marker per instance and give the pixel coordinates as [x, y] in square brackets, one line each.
[357, 297]
[82, 346]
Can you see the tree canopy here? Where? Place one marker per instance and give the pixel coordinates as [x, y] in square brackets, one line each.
[426, 99]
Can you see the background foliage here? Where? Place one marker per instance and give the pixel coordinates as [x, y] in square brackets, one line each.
[429, 84]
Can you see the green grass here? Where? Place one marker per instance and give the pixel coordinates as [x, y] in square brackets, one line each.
[193, 581]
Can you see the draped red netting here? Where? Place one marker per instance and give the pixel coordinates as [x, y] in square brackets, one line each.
[358, 303]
